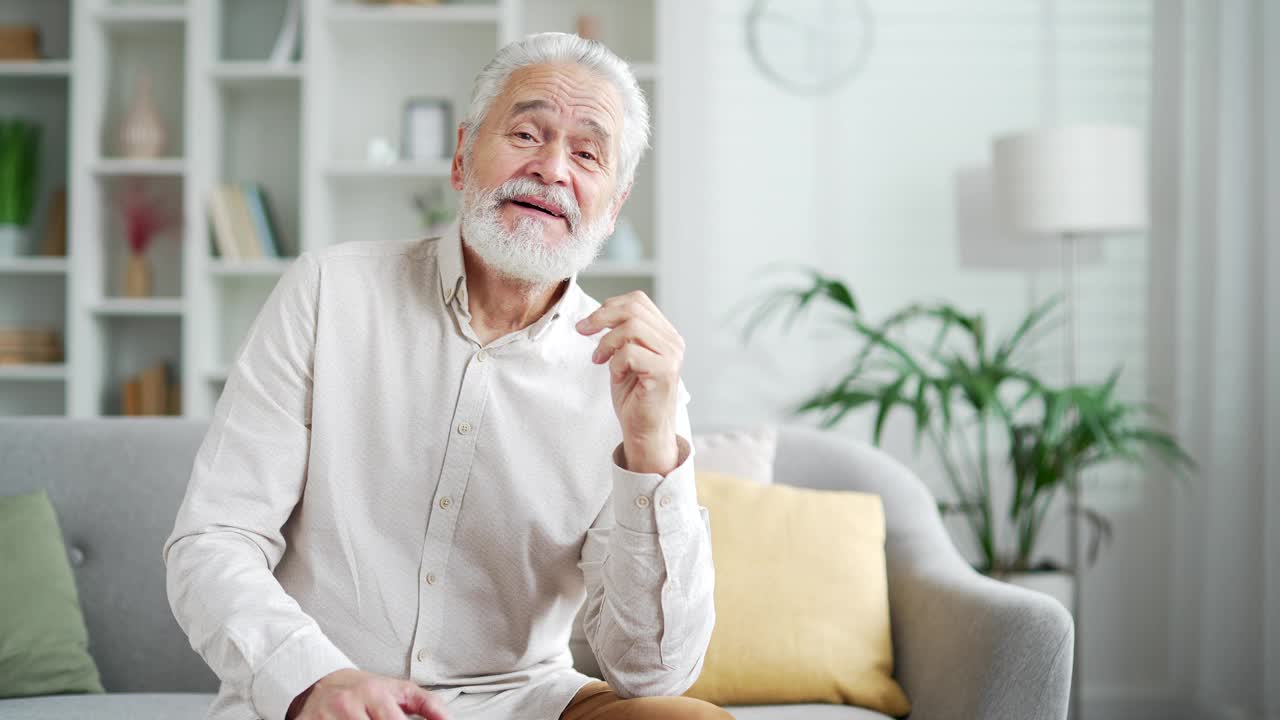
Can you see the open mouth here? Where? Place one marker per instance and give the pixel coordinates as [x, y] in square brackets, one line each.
[537, 206]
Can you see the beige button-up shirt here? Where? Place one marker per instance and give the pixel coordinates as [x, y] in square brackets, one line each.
[378, 490]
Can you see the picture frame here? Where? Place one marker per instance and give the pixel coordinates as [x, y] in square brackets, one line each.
[427, 129]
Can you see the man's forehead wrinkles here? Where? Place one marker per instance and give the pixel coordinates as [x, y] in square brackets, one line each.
[585, 102]
[541, 104]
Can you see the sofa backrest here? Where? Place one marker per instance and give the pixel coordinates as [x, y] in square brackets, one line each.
[116, 484]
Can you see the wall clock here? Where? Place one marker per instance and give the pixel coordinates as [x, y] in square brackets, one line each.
[809, 47]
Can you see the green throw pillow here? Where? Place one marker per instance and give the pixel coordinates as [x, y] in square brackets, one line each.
[44, 646]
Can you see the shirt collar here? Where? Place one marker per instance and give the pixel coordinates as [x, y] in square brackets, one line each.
[453, 284]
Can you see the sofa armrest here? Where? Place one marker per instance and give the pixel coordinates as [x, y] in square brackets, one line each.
[968, 646]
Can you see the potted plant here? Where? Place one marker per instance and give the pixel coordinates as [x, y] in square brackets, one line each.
[19, 170]
[981, 409]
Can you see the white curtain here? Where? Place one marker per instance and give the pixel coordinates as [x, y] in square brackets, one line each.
[1216, 302]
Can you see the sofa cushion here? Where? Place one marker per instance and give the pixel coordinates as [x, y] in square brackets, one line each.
[801, 597]
[803, 711]
[44, 646]
[112, 706]
[742, 452]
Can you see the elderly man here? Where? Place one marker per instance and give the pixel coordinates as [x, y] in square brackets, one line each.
[430, 453]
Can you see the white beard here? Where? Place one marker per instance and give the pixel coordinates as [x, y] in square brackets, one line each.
[523, 254]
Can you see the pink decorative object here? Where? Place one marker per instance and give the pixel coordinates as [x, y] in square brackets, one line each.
[144, 217]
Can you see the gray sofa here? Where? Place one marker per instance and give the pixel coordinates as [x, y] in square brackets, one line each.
[966, 646]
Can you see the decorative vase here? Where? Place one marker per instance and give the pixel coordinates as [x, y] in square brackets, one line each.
[142, 133]
[13, 240]
[1056, 584]
[137, 276]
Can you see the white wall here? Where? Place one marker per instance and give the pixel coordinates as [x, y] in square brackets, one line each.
[860, 184]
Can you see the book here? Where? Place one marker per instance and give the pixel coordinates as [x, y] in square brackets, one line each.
[174, 404]
[266, 231]
[223, 230]
[246, 238]
[286, 44]
[154, 386]
[131, 398]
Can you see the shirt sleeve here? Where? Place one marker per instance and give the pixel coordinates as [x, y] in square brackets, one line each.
[647, 567]
[248, 475]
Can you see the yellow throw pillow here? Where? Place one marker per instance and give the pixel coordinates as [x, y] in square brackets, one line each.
[801, 596]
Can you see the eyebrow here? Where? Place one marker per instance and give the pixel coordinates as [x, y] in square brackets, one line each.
[525, 106]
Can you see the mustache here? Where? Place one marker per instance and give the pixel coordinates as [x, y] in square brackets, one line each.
[560, 196]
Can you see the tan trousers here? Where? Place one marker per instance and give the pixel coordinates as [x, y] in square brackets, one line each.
[598, 701]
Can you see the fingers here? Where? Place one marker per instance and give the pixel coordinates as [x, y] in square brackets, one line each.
[418, 700]
[385, 709]
[634, 319]
[634, 330]
[619, 308]
[639, 361]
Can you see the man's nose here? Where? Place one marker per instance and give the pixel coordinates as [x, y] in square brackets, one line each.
[550, 164]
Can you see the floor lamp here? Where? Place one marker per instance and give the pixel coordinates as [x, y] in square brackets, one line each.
[1070, 183]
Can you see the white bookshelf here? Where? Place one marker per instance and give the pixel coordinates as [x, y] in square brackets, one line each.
[299, 129]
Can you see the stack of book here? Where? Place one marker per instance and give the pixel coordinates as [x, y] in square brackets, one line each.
[152, 392]
[244, 226]
[20, 346]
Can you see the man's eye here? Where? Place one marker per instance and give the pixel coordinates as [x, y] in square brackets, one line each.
[524, 136]
[586, 155]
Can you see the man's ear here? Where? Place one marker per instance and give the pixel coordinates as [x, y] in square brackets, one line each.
[456, 171]
[617, 206]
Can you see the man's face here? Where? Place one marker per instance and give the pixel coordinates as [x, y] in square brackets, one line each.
[540, 183]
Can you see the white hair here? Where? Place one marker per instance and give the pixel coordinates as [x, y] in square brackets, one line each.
[558, 47]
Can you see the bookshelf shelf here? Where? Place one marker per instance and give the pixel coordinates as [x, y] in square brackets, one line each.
[620, 269]
[124, 167]
[235, 268]
[136, 17]
[404, 170]
[358, 14]
[36, 68]
[138, 307]
[34, 372]
[249, 72]
[33, 265]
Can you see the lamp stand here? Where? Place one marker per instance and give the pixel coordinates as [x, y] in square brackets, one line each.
[1070, 256]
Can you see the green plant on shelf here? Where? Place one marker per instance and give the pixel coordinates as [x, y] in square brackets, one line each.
[19, 170]
[978, 403]
[433, 212]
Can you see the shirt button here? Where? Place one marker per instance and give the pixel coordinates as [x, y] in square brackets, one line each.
[422, 654]
[445, 502]
[431, 578]
[482, 355]
[665, 501]
[464, 428]
[642, 501]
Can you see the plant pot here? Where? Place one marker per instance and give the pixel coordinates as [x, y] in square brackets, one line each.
[13, 240]
[137, 277]
[1056, 584]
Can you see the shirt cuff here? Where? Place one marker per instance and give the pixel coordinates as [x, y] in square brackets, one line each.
[295, 666]
[651, 503]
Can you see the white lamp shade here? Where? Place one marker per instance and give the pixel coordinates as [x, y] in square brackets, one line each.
[1086, 179]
